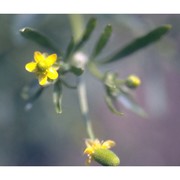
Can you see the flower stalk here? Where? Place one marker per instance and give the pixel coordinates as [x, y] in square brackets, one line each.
[76, 22]
[84, 107]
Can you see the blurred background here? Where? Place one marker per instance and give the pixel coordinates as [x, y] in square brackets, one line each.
[42, 137]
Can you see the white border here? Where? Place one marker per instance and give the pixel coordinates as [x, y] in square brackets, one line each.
[90, 173]
[90, 6]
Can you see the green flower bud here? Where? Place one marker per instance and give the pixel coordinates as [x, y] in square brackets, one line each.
[132, 81]
[106, 157]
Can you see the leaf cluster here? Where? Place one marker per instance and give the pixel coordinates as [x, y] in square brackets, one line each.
[115, 88]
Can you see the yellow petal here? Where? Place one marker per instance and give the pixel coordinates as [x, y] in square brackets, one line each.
[52, 73]
[89, 142]
[38, 56]
[88, 150]
[43, 80]
[51, 59]
[96, 144]
[108, 144]
[31, 66]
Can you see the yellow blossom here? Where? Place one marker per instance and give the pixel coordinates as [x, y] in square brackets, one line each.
[99, 151]
[43, 68]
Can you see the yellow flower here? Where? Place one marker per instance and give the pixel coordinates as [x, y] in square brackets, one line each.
[99, 151]
[42, 66]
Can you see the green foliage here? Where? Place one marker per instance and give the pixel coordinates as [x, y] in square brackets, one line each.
[114, 87]
[126, 98]
[138, 43]
[39, 38]
[69, 49]
[110, 105]
[87, 33]
[110, 83]
[57, 96]
[117, 92]
[77, 70]
[103, 39]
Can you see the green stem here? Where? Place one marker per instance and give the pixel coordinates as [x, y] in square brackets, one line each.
[76, 22]
[84, 107]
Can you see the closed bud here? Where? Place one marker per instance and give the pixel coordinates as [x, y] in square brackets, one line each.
[132, 81]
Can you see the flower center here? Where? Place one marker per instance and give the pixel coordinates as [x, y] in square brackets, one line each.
[42, 66]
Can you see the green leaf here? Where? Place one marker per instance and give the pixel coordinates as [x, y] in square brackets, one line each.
[88, 31]
[57, 96]
[128, 101]
[69, 49]
[77, 70]
[101, 43]
[39, 38]
[109, 102]
[139, 43]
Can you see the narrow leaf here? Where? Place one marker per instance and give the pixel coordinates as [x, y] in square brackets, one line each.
[109, 102]
[128, 102]
[57, 96]
[101, 43]
[69, 49]
[39, 38]
[88, 31]
[139, 43]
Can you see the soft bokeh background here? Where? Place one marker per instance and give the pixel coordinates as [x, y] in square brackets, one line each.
[41, 137]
